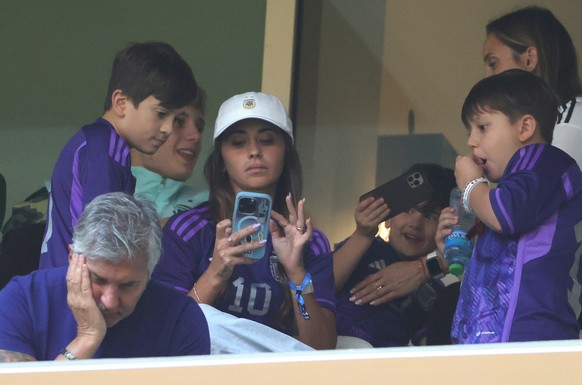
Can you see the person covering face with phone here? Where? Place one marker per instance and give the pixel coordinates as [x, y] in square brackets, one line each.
[380, 283]
[291, 288]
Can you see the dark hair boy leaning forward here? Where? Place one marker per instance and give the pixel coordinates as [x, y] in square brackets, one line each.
[149, 91]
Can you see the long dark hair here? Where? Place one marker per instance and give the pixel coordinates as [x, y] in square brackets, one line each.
[221, 197]
[538, 27]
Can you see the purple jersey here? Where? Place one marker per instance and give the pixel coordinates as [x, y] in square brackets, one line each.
[36, 320]
[391, 324]
[255, 291]
[94, 161]
[520, 284]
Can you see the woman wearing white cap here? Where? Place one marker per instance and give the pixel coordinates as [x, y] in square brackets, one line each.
[291, 288]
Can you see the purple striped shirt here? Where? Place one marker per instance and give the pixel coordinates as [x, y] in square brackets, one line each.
[522, 284]
[256, 291]
[95, 161]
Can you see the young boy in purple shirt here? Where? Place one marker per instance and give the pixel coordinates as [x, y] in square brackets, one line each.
[103, 305]
[149, 89]
[521, 281]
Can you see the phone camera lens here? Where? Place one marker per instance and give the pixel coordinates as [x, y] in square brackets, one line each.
[247, 205]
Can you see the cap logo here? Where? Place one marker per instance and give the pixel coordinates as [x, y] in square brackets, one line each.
[249, 104]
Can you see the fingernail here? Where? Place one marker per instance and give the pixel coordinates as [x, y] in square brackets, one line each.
[352, 299]
[372, 302]
[256, 225]
[262, 241]
[359, 302]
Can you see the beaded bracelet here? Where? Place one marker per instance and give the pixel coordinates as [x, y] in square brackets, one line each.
[467, 191]
[305, 287]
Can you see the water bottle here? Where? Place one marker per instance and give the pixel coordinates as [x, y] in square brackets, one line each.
[458, 248]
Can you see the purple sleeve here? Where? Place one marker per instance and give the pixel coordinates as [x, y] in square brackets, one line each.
[532, 189]
[319, 263]
[183, 255]
[104, 166]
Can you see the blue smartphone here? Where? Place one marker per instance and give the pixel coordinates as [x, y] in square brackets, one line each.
[251, 208]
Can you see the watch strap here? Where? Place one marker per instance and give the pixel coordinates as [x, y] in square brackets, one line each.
[433, 266]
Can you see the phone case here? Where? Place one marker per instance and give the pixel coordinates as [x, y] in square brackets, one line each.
[251, 208]
[402, 193]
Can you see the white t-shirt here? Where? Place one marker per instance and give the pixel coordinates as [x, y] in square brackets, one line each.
[568, 129]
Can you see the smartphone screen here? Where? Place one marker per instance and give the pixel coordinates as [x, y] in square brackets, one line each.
[251, 208]
[403, 192]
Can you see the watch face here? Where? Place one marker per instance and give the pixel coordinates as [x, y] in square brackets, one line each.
[433, 266]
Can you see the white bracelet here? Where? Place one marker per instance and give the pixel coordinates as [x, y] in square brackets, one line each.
[467, 191]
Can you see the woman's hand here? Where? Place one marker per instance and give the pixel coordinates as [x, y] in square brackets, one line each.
[394, 281]
[227, 250]
[227, 254]
[289, 236]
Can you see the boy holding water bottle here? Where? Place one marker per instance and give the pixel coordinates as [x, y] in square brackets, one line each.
[525, 266]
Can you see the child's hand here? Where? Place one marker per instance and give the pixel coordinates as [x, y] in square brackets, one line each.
[446, 220]
[369, 214]
[467, 169]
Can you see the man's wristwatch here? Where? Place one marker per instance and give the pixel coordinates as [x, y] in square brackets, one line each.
[433, 266]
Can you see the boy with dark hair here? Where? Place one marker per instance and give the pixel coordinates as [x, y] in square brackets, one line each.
[149, 90]
[518, 283]
[161, 177]
[360, 260]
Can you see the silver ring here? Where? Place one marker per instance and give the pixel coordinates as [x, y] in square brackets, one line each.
[379, 287]
[230, 239]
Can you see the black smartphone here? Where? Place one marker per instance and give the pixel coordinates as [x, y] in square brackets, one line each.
[251, 208]
[402, 193]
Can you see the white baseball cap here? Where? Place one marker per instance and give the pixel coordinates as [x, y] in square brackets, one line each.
[256, 105]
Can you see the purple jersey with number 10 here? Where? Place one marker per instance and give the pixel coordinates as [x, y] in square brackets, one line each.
[255, 291]
[95, 161]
